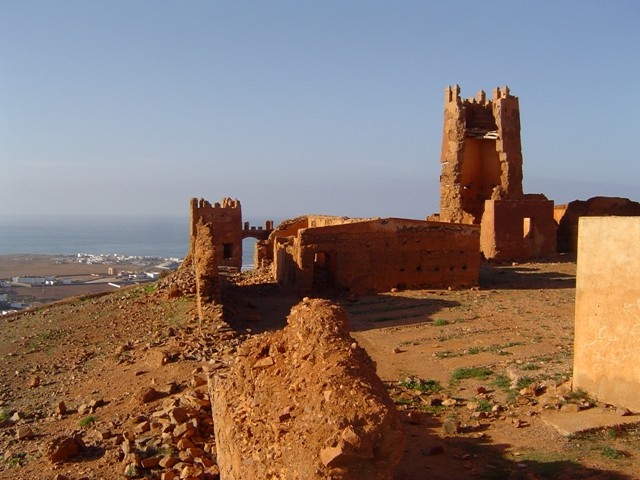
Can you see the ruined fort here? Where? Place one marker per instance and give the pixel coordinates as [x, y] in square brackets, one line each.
[484, 214]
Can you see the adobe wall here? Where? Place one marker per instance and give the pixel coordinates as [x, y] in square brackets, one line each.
[607, 323]
[518, 229]
[289, 228]
[305, 403]
[379, 255]
[481, 155]
[594, 207]
[226, 221]
[205, 270]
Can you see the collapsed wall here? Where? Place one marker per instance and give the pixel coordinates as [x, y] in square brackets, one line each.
[481, 155]
[305, 403]
[568, 215]
[378, 255]
[205, 270]
[225, 219]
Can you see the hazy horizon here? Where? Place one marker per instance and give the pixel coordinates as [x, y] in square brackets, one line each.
[132, 108]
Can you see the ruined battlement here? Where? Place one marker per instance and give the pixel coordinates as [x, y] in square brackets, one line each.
[481, 152]
[257, 232]
[452, 95]
[225, 218]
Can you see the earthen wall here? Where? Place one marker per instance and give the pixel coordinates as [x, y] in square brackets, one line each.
[518, 229]
[593, 207]
[607, 319]
[481, 156]
[379, 255]
[225, 219]
[305, 403]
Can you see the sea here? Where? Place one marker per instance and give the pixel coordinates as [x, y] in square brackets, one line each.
[162, 237]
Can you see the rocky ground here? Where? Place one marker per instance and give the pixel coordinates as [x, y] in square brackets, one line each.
[114, 386]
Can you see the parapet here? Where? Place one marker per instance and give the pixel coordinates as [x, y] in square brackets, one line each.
[202, 204]
[452, 95]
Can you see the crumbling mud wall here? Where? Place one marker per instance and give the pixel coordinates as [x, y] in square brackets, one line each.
[518, 229]
[606, 360]
[481, 177]
[265, 251]
[378, 255]
[225, 219]
[567, 216]
[205, 270]
[481, 155]
[305, 403]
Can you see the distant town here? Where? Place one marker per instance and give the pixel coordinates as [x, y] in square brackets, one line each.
[52, 278]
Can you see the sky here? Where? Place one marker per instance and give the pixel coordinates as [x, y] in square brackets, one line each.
[129, 108]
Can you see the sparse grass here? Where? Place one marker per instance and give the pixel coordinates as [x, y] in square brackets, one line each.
[611, 453]
[151, 288]
[440, 322]
[16, 460]
[480, 373]
[423, 386]
[524, 382]
[131, 471]
[497, 349]
[89, 420]
[3, 415]
[502, 382]
[446, 354]
[578, 394]
[484, 405]
[530, 366]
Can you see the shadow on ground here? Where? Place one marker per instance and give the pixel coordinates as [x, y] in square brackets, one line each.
[265, 307]
[427, 456]
[520, 277]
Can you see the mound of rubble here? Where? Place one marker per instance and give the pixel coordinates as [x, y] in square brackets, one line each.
[305, 402]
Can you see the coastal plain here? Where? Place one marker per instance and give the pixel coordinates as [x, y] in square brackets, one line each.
[84, 278]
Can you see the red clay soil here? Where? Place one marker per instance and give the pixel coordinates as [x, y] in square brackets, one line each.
[472, 373]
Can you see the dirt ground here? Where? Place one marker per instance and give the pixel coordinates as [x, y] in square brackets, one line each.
[473, 373]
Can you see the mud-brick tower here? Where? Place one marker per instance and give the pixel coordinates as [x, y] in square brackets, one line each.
[481, 153]
[225, 219]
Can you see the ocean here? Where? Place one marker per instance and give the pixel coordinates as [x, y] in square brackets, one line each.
[164, 237]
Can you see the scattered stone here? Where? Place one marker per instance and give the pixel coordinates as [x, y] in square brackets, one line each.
[519, 423]
[449, 402]
[198, 381]
[264, 363]
[150, 462]
[61, 409]
[168, 461]
[179, 415]
[450, 426]
[35, 381]
[62, 448]
[624, 412]
[570, 408]
[24, 432]
[150, 395]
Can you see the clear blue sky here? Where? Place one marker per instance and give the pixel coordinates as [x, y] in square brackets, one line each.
[132, 107]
